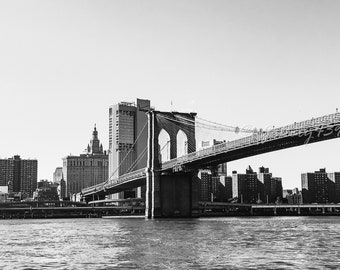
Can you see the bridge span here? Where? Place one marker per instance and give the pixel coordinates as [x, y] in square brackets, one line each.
[172, 185]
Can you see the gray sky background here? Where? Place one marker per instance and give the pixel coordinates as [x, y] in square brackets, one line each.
[242, 63]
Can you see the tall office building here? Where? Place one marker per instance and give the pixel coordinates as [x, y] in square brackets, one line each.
[86, 169]
[317, 187]
[20, 175]
[128, 140]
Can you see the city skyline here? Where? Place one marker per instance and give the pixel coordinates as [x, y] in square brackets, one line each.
[259, 64]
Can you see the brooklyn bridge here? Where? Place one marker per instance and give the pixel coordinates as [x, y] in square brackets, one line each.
[172, 182]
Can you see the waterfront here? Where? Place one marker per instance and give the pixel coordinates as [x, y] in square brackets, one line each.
[205, 243]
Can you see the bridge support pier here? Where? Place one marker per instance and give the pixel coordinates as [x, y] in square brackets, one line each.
[171, 195]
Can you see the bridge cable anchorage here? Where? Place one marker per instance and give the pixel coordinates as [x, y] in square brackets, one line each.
[127, 154]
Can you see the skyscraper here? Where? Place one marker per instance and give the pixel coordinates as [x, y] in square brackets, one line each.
[127, 138]
[86, 169]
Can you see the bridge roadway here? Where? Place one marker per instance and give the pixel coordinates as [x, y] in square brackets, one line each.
[305, 132]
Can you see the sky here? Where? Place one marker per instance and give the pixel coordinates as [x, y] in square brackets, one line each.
[256, 63]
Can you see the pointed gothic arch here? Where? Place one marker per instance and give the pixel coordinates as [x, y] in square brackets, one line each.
[164, 146]
[182, 143]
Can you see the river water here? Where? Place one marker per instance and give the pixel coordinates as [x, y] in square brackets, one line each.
[206, 243]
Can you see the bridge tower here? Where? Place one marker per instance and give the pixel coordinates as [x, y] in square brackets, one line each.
[170, 193]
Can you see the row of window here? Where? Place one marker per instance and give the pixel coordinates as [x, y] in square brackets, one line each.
[122, 112]
[83, 163]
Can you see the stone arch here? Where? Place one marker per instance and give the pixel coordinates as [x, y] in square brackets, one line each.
[164, 146]
[182, 143]
[172, 123]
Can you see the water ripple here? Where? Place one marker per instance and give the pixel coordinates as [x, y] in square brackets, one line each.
[214, 243]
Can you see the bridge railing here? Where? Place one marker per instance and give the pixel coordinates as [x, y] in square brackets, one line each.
[126, 177]
[110, 183]
[91, 188]
[301, 128]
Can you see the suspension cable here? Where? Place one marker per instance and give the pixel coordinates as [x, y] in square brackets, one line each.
[141, 155]
[130, 150]
[206, 126]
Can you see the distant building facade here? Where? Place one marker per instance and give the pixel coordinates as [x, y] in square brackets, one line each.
[58, 175]
[255, 188]
[214, 188]
[46, 191]
[224, 191]
[205, 185]
[214, 184]
[320, 187]
[335, 178]
[86, 169]
[292, 196]
[246, 187]
[58, 178]
[20, 175]
[128, 140]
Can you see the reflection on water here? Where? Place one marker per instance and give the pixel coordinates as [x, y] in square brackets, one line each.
[212, 243]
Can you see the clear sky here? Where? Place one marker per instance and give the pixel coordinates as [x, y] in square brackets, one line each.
[242, 63]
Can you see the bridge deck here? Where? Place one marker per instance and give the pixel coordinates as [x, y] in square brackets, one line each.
[313, 130]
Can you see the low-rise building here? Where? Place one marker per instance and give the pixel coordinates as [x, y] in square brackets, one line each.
[46, 191]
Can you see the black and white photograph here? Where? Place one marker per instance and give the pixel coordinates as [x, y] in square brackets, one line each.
[169, 134]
